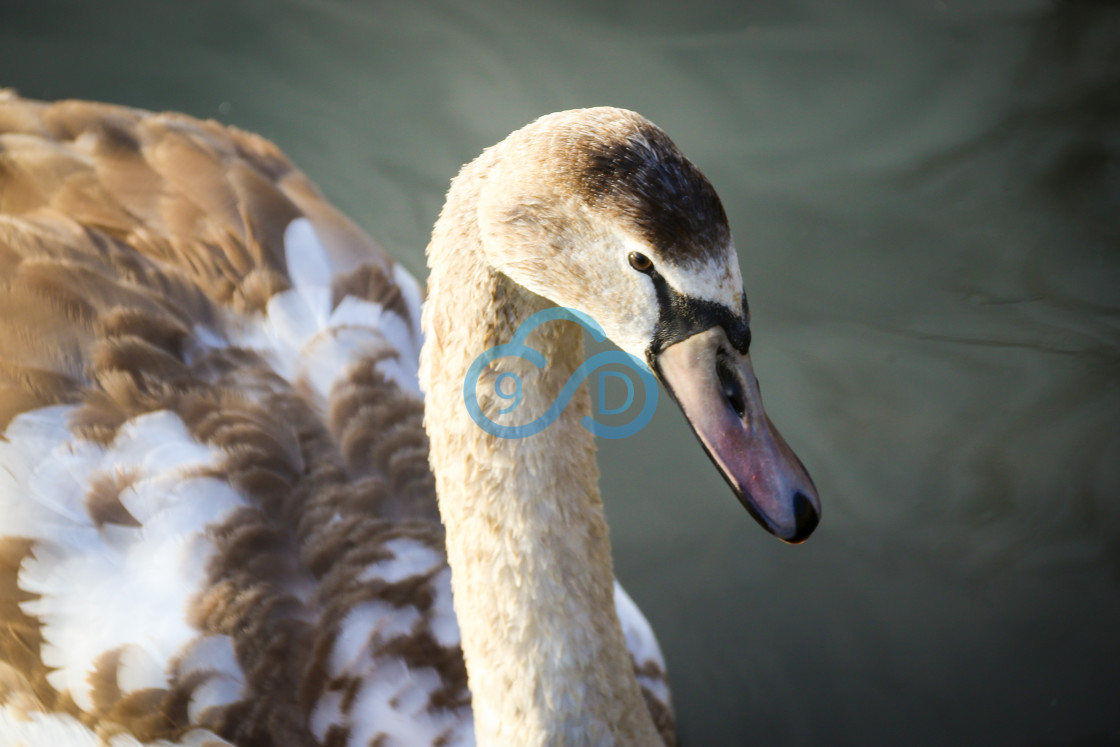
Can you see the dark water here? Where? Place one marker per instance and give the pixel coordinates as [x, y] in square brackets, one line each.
[926, 198]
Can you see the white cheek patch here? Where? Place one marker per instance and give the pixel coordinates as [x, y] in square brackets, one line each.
[620, 299]
[632, 323]
[636, 313]
[717, 280]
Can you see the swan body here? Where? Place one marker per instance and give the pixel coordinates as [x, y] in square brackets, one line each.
[241, 498]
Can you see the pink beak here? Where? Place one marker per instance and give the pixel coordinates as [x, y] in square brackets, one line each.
[716, 388]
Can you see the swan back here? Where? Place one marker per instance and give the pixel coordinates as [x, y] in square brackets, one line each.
[218, 513]
[219, 522]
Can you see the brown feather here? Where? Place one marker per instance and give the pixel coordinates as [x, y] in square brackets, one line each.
[121, 233]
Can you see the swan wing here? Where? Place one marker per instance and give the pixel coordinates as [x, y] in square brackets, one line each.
[217, 513]
[649, 663]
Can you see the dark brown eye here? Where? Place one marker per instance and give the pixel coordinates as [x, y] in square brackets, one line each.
[640, 262]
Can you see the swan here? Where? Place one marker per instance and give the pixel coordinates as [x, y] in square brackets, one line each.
[242, 498]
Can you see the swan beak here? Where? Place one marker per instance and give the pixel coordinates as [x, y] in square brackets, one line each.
[716, 388]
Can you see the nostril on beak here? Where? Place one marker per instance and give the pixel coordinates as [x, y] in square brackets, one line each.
[731, 386]
[805, 517]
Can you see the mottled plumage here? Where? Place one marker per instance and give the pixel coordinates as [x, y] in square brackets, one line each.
[217, 520]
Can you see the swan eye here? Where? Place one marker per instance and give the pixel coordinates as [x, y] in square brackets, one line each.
[640, 262]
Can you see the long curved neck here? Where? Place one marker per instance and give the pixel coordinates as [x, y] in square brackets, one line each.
[526, 537]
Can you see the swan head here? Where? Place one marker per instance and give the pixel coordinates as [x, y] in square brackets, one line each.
[597, 210]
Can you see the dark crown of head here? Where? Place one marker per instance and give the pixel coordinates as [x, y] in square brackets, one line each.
[648, 181]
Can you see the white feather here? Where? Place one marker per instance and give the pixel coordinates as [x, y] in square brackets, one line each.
[292, 319]
[356, 312]
[54, 729]
[310, 344]
[212, 653]
[444, 624]
[214, 692]
[367, 623]
[140, 580]
[59, 481]
[138, 670]
[309, 264]
[47, 730]
[640, 641]
[410, 558]
[393, 701]
[327, 713]
[330, 354]
[414, 297]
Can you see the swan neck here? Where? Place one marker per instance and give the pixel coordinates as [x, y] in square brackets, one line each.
[527, 540]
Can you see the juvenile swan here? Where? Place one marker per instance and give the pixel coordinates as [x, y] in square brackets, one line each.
[218, 524]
